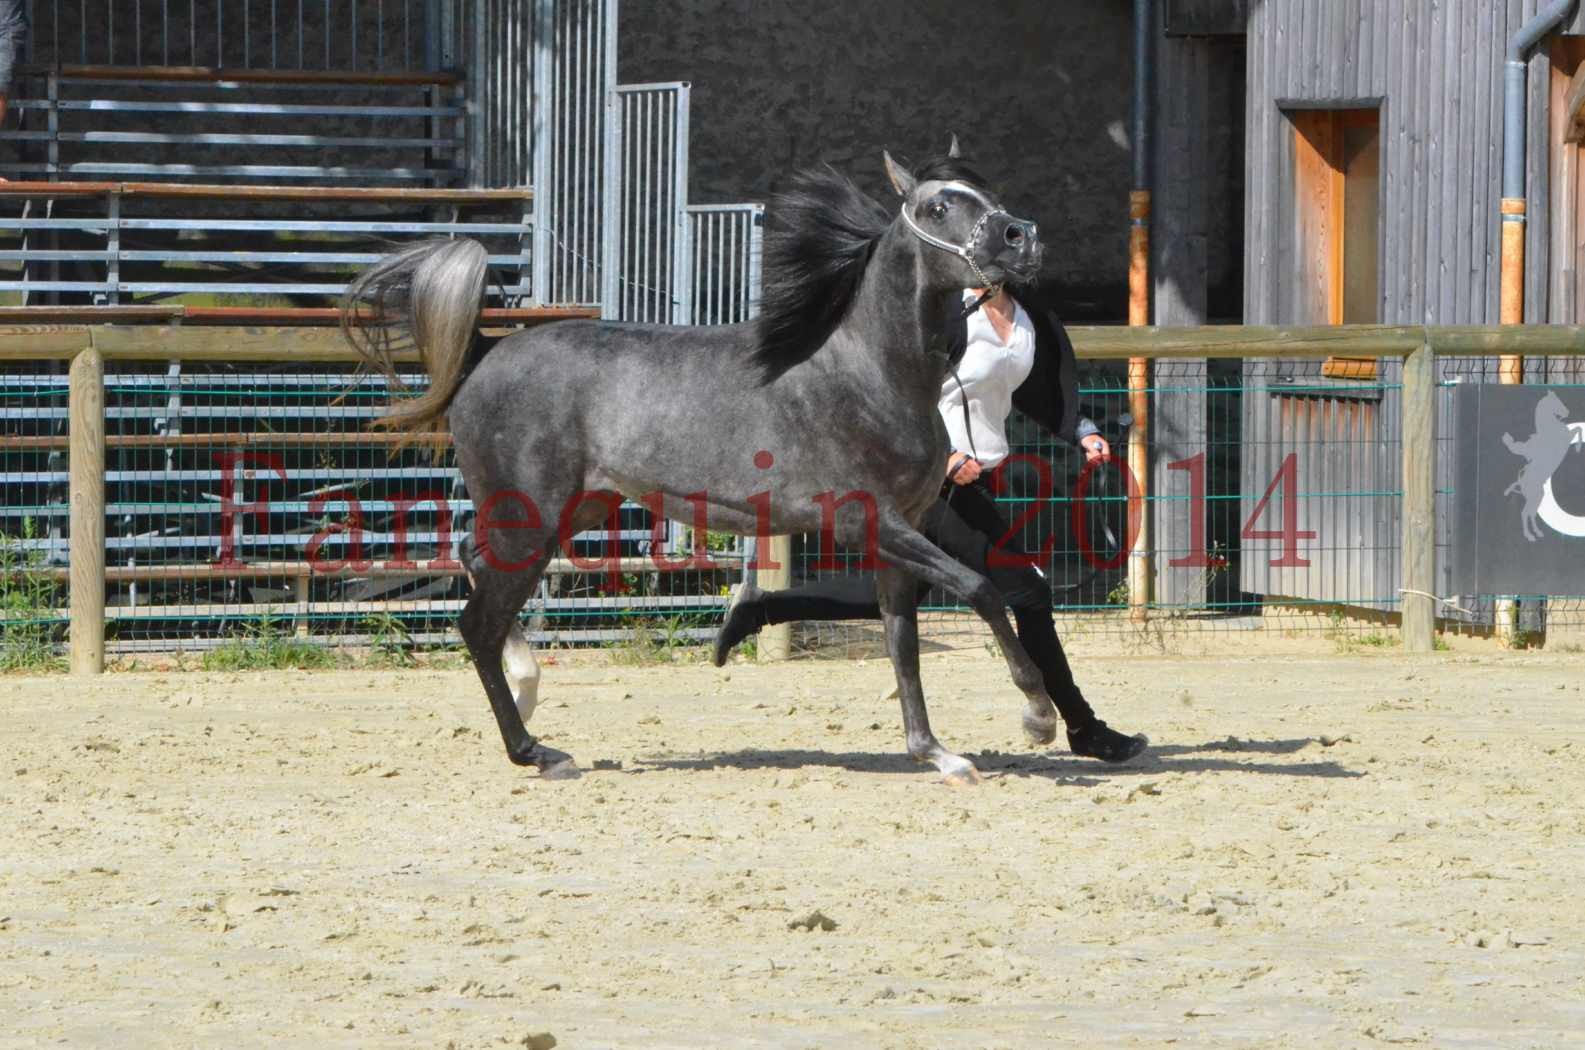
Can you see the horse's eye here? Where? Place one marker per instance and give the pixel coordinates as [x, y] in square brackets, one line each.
[936, 210]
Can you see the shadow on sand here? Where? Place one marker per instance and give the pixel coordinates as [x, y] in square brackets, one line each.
[1066, 769]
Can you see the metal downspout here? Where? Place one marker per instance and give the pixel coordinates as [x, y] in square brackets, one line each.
[1513, 164]
[1510, 367]
[1140, 573]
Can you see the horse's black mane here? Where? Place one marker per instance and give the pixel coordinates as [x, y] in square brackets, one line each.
[949, 169]
[820, 233]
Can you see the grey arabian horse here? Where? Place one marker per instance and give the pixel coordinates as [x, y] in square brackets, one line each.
[819, 416]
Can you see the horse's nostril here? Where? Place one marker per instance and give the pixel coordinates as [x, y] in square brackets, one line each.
[1014, 234]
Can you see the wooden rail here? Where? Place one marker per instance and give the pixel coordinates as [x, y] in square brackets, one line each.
[41, 317]
[32, 342]
[171, 342]
[90, 346]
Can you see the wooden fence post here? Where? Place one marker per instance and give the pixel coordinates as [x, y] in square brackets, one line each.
[1418, 550]
[775, 573]
[86, 401]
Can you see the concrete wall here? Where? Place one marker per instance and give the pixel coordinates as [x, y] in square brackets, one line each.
[1037, 91]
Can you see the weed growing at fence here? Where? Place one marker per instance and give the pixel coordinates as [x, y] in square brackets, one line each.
[652, 641]
[1523, 639]
[28, 612]
[390, 643]
[265, 646]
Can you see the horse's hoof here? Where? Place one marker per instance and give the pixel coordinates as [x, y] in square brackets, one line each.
[1040, 731]
[964, 775]
[552, 764]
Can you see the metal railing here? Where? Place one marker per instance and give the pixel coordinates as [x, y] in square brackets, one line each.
[539, 79]
[645, 250]
[1296, 505]
[724, 242]
[310, 483]
[124, 242]
[249, 34]
[235, 125]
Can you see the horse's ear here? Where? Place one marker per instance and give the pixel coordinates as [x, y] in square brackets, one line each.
[902, 180]
[952, 150]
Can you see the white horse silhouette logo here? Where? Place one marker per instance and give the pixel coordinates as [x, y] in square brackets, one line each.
[1544, 453]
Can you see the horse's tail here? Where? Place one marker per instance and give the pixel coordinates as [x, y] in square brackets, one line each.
[428, 296]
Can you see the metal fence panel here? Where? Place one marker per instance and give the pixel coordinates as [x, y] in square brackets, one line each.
[372, 35]
[725, 242]
[647, 269]
[250, 501]
[121, 245]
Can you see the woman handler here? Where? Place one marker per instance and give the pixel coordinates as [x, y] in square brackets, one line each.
[1010, 354]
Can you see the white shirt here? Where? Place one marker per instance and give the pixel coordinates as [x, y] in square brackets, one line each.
[990, 371]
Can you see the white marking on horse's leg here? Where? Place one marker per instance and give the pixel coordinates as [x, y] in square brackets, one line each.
[522, 672]
[956, 771]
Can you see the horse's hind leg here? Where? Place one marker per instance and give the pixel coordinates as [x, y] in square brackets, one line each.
[487, 622]
[522, 670]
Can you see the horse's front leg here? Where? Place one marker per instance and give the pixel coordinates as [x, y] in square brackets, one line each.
[899, 600]
[904, 547]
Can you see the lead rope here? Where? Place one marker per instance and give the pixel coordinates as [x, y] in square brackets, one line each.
[963, 397]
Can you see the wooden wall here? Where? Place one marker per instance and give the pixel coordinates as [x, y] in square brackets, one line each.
[1435, 70]
[1185, 69]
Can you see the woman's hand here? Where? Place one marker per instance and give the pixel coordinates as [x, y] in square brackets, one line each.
[1095, 447]
[962, 468]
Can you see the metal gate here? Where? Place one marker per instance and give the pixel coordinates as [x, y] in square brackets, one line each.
[647, 276]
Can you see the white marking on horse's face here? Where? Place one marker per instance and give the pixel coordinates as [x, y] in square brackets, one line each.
[522, 672]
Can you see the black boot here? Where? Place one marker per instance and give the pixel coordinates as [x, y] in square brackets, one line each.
[743, 618]
[1098, 740]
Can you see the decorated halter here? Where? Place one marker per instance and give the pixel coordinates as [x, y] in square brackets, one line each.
[966, 250]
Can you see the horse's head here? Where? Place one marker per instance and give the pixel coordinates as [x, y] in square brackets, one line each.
[1550, 408]
[947, 206]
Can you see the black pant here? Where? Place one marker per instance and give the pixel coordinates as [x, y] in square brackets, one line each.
[965, 523]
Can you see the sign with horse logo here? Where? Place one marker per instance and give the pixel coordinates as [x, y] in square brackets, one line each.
[1519, 490]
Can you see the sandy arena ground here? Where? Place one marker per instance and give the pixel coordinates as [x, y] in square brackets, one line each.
[1321, 851]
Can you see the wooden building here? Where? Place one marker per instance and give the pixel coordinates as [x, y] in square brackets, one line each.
[1373, 149]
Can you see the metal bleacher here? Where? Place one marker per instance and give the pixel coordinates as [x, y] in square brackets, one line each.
[232, 177]
[246, 190]
[108, 243]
